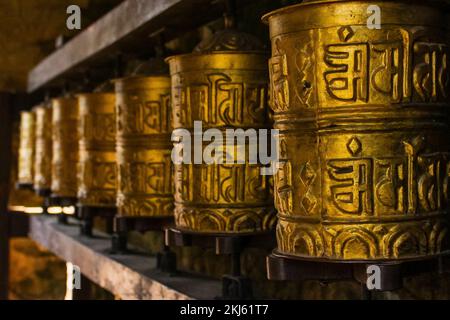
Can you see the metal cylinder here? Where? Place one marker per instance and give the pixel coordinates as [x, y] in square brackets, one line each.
[65, 148]
[223, 85]
[143, 147]
[97, 171]
[363, 118]
[43, 150]
[26, 150]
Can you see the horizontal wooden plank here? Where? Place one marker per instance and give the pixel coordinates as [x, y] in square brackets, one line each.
[125, 28]
[128, 17]
[127, 276]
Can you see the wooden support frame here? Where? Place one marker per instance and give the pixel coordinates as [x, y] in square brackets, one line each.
[6, 115]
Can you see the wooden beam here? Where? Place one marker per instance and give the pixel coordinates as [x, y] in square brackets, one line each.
[19, 224]
[5, 152]
[124, 29]
[127, 276]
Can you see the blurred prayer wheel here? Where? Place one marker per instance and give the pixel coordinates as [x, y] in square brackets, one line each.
[43, 150]
[65, 148]
[26, 150]
[143, 146]
[223, 84]
[363, 115]
[97, 150]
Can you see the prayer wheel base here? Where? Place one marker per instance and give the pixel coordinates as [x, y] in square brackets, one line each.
[43, 192]
[63, 201]
[62, 219]
[234, 285]
[142, 224]
[391, 273]
[224, 243]
[47, 200]
[24, 186]
[87, 215]
[166, 259]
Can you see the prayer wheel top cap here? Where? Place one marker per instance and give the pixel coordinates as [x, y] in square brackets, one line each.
[151, 67]
[105, 87]
[70, 98]
[224, 43]
[285, 10]
[229, 40]
[39, 106]
[151, 70]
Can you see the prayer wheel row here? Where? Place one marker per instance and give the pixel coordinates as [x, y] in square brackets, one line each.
[362, 116]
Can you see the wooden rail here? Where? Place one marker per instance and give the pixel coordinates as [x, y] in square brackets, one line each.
[127, 276]
[124, 29]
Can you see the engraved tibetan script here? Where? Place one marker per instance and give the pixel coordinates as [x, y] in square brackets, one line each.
[278, 72]
[431, 76]
[232, 183]
[221, 100]
[283, 188]
[389, 71]
[149, 178]
[413, 184]
[347, 78]
[145, 117]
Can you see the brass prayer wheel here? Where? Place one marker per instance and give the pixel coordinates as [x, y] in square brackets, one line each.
[43, 150]
[26, 149]
[65, 148]
[97, 172]
[363, 115]
[143, 146]
[223, 84]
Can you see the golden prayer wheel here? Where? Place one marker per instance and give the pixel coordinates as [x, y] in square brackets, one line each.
[26, 150]
[65, 148]
[363, 117]
[43, 150]
[144, 147]
[223, 84]
[97, 173]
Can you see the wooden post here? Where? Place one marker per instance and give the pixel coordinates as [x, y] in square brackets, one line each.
[5, 157]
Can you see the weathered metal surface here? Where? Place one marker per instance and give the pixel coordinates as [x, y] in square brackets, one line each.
[26, 149]
[143, 147]
[97, 174]
[65, 147]
[363, 119]
[223, 84]
[43, 149]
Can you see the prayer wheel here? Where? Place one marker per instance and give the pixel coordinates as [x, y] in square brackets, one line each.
[363, 114]
[221, 85]
[97, 173]
[143, 146]
[65, 148]
[26, 150]
[43, 150]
